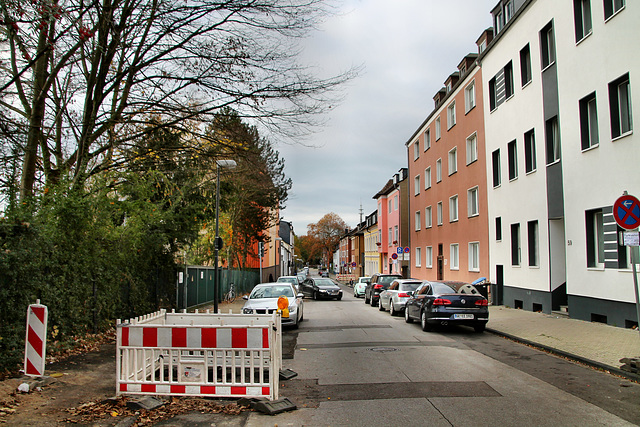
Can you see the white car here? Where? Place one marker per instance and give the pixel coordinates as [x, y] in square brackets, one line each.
[264, 300]
[360, 285]
[294, 280]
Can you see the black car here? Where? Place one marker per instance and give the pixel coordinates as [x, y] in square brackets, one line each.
[320, 287]
[379, 282]
[437, 303]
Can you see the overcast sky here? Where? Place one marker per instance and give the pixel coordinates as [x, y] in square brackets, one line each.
[408, 48]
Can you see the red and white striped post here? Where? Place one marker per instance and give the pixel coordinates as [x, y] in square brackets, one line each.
[36, 341]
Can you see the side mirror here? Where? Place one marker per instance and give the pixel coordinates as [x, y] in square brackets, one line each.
[300, 295]
[245, 297]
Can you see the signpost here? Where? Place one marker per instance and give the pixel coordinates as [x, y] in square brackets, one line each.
[626, 211]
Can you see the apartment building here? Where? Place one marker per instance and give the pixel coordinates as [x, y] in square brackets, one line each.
[371, 244]
[558, 82]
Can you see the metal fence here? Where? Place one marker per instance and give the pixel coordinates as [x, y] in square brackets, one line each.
[200, 283]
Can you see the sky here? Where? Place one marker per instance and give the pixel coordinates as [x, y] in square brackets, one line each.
[407, 52]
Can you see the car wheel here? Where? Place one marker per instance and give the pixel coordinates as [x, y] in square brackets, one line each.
[392, 310]
[296, 325]
[479, 327]
[366, 300]
[406, 316]
[380, 307]
[373, 303]
[423, 322]
[339, 298]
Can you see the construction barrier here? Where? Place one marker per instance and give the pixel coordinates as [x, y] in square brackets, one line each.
[199, 354]
[36, 339]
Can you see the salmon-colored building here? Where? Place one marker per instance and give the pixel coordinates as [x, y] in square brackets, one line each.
[447, 183]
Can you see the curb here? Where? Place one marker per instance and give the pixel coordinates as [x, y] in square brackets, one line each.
[583, 360]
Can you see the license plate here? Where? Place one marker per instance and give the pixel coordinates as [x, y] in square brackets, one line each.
[463, 316]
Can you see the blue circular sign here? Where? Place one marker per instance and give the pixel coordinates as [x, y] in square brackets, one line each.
[626, 211]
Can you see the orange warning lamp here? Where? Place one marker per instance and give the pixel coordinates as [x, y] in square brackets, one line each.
[283, 305]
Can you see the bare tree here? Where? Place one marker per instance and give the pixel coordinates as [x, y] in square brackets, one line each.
[81, 79]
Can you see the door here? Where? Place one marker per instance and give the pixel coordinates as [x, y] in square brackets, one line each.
[440, 263]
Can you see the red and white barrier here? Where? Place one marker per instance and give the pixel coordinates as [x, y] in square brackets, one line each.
[36, 339]
[199, 354]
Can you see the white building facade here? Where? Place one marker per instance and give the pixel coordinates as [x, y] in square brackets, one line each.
[561, 149]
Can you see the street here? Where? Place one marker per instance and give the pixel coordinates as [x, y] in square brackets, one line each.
[359, 366]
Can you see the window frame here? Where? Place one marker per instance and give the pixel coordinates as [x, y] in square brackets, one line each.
[439, 213]
[472, 148]
[451, 115]
[547, 46]
[474, 256]
[508, 81]
[496, 168]
[416, 150]
[427, 139]
[512, 159]
[454, 256]
[453, 208]
[416, 185]
[589, 133]
[552, 140]
[615, 107]
[418, 256]
[428, 257]
[525, 66]
[582, 19]
[438, 129]
[453, 161]
[530, 162]
[470, 96]
[418, 221]
[533, 243]
[594, 238]
[473, 200]
[498, 225]
[428, 220]
[427, 178]
[516, 247]
[610, 9]
[439, 170]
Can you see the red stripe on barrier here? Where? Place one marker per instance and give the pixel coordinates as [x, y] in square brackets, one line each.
[266, 391]
[32, 370]
[239, 338]
[39, 312]
[125, 337]
[178, 389]
[35, 341]
[238, 390]
[178, 337]
[208, 338]
[123, 387]
[149, 337]
[207, 389]
[265, 338]
[148, 388]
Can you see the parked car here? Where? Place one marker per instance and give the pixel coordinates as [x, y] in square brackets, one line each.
[395, 297]
[294, 280]
[449, 303]
[320, 287]
[360, 285]
[263, 299]
[378, 283]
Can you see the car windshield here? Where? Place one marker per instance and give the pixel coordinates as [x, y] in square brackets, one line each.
[271, 292]
[408, 287]
[324, 282]
[288, 279]
[441, 288]
[387, 279]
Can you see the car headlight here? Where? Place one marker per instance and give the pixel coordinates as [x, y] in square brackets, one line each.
[247, 311]
[324, 291]
[293, 308]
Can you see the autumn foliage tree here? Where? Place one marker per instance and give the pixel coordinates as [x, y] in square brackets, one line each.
[326, 233]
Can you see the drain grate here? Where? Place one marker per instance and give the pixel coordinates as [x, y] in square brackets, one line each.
[382, 349]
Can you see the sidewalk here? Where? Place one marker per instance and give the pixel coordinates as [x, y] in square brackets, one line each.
[595, 344]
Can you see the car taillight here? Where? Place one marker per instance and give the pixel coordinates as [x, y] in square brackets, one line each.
[377, 286]
[482, 302]
[403, 295]
[441, 301]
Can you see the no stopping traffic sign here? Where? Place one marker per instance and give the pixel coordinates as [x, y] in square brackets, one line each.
[626, 211]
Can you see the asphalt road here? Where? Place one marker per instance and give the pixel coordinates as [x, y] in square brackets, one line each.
[359, 366]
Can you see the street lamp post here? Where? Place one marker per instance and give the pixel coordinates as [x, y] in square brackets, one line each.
[227, 164]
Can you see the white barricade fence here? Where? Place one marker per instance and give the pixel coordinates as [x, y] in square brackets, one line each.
[199, 354]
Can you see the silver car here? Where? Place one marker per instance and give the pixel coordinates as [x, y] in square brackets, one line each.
[294, 280]
[264, 300]
[395, 297]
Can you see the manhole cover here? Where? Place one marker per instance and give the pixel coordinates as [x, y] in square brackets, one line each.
[382, 349]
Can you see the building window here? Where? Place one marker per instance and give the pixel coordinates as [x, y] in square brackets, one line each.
[508, 80]
[453, 208]
[390, 206]
[620, 106]
[470, 96]
[588, 122]
[553, 140]
[515, 244]
[547, 46]
[416, 185]
[455, 262]
[439, 213]
[498, 24]
[395, 202]
[451, 115]
[427, 178]
[437, 128]
[525, 65]
[595, 238]
[416, 150]
[493, 96]
[582, 18]
[427, 217]
[472, 202]
[395, 234]
[532, 235]
[472, 148]
[453, 161]
[390, 236]
[512, 154]
[438, 170]
[418, 257]
[611, 7]
[418, 221]
[498, 229]
[495, 159]
[428, 257]
[508, 11]
[427, 139]
[474, 256]
[529, 151]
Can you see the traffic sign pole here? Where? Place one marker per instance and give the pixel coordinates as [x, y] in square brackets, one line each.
[626, 212]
